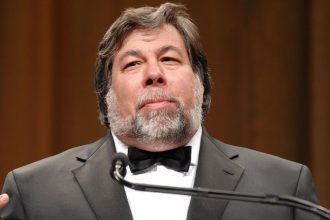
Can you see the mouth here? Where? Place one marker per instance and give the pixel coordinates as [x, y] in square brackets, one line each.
[154, 104]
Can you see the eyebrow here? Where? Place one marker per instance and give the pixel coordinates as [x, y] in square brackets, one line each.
[167, 48]
[159, 51]
[133, 53]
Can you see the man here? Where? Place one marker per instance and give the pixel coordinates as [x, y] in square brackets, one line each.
[153, 90]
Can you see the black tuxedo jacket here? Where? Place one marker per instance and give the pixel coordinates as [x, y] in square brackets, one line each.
[76, 185]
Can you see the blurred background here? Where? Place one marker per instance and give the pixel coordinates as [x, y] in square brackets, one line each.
[269, 62]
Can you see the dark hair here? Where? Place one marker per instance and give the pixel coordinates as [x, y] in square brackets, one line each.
[149, 18]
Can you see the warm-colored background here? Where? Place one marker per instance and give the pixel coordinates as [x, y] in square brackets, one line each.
[270, 63]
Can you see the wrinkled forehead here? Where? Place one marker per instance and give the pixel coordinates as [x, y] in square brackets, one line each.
[131, 39]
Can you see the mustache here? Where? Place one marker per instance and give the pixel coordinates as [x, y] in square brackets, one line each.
[156, 95]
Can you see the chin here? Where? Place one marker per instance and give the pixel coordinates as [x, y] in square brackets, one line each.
[158, 147]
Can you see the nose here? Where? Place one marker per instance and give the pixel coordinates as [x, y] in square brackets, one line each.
[154, 76]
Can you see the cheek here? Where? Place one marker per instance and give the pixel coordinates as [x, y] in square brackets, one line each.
[190, 98]
[126, 97]
[185, 90]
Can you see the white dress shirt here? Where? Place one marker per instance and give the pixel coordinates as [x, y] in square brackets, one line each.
[160, 206]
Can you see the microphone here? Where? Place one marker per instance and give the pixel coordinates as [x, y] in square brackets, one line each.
[119, 164]
[118, 172]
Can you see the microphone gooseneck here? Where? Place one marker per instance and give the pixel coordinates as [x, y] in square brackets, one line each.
[118, 172]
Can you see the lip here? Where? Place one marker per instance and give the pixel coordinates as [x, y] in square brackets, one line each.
[156, 103]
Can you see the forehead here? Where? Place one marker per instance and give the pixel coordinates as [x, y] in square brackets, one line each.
[164, 35]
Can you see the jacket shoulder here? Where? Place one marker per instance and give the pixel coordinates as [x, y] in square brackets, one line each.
[247, 156]
[264, 172]
[66, 160]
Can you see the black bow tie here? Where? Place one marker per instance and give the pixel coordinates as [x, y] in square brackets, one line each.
[177, 159]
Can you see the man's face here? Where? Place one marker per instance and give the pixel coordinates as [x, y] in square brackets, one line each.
[148, 60]
[153, 82]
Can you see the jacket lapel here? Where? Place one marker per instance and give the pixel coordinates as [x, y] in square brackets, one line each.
[106, 197]
[215, 170]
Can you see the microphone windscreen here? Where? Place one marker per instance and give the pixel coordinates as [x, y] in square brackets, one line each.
[119, 159]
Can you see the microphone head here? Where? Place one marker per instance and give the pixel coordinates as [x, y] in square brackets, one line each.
[120, 161]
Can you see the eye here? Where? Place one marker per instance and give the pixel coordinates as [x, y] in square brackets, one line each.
[132, 64]
[170, 60]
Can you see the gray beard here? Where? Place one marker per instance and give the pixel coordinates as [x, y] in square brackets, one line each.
[157, 127]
